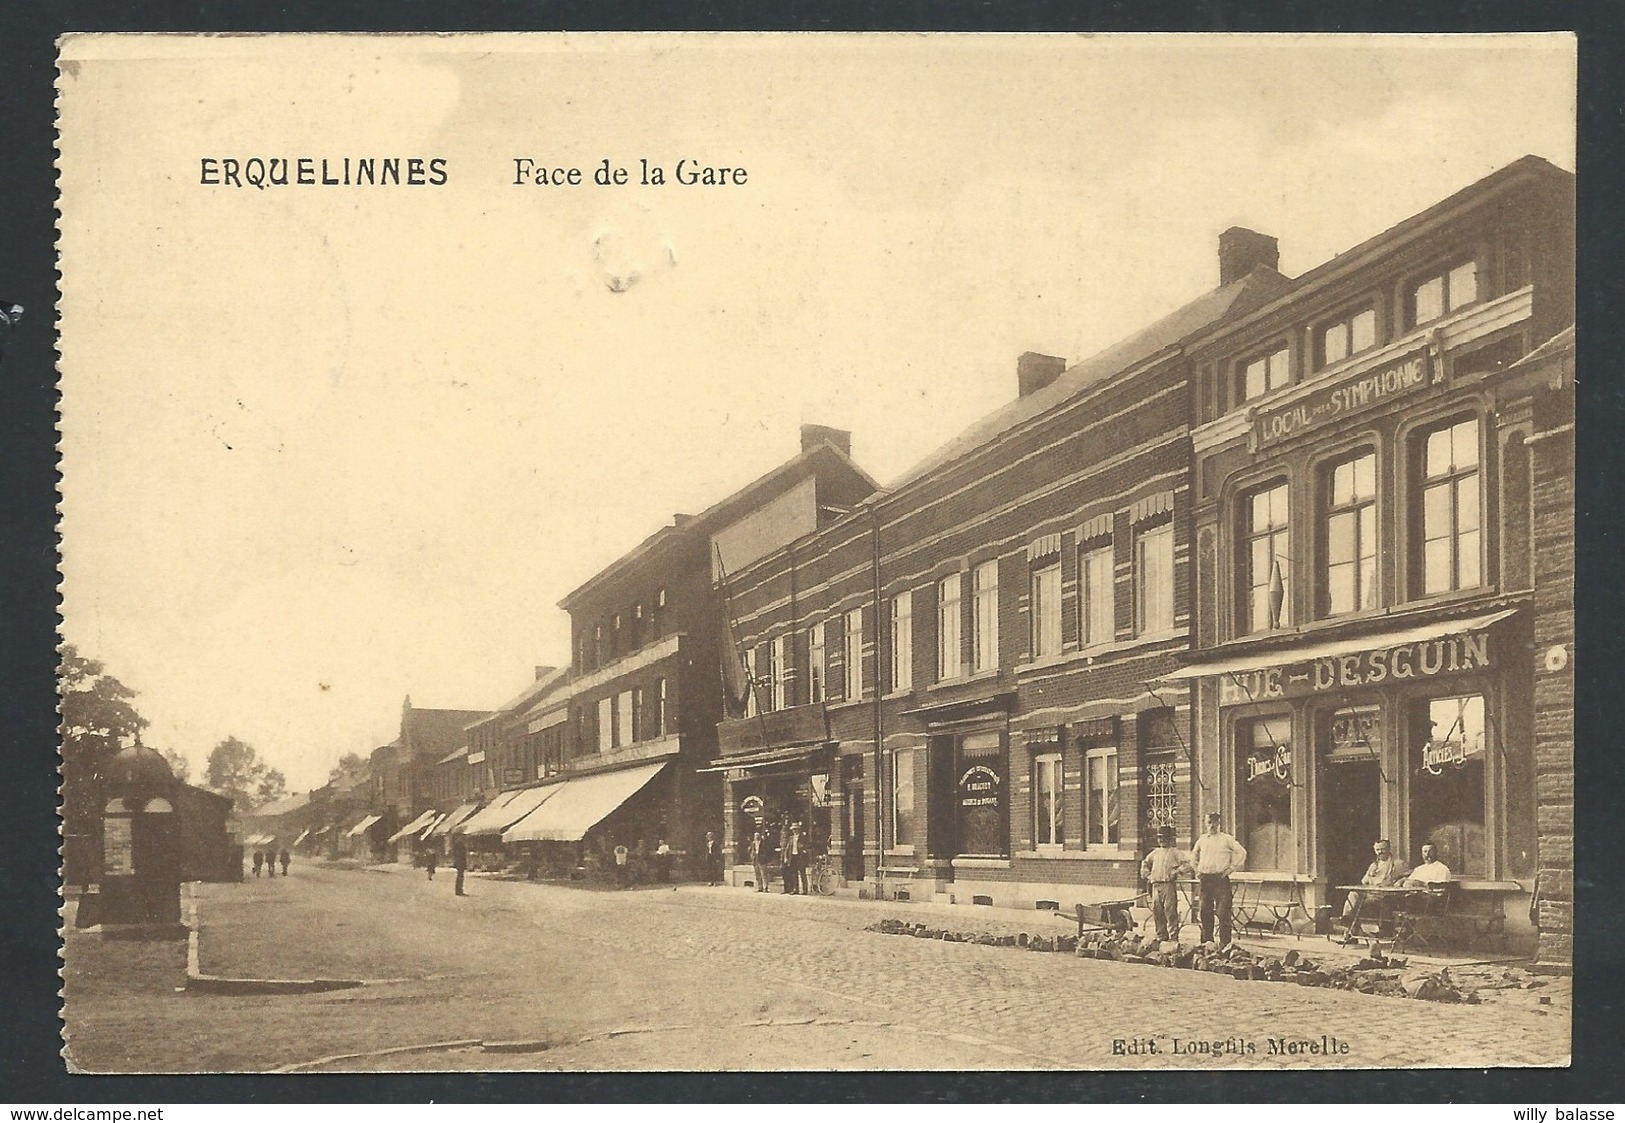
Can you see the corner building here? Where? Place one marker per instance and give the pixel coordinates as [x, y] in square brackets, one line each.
[1375, 610]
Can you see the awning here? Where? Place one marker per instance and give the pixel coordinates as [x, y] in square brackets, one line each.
[364, 824]
[304, 834]
[1303, 653]
[414, 826]
[444, 826]
[507, 809]
[764, 757]
[581, 804]
[429, 830]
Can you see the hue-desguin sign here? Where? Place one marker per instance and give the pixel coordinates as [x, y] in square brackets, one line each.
[1422, 659]
[1351, 394]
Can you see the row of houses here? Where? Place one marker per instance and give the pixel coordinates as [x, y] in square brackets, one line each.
[1300, 552]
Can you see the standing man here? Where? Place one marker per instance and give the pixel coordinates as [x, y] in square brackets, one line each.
[758, 859]
[459, 860]
[1163, 868]
[430, 860]
[1215, 857]
[283, 858]
[713, 859]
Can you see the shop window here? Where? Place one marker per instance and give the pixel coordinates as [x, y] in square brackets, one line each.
[1097, 621]
[1154, 579]
[1348, 336]
[606, 724]
[1447, 781]
[902, 807]
[1266, 560]
[1101, 826]
[979, 782]
[985, 617]
[1046, 608]
[852, 641]
[948, 616]
[1443, 293]
[1263, 373]
[1048, 804]
[1449, 508]
[1264, 781]
[815, 663]
[1349, 582]
[902, 641]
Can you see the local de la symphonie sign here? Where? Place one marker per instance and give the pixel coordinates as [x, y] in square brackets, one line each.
[1351, 394]
[1422, 659]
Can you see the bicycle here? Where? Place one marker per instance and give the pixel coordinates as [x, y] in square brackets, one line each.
[825, 876]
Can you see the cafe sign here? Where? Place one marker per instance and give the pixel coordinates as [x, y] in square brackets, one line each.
[751, 805]
[1349, 395]
[1422, 659]
[1276, 765]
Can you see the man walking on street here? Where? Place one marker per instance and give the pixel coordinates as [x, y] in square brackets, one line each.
[459, 861]
[1163, 868]
[1216, 856]
[283, 858]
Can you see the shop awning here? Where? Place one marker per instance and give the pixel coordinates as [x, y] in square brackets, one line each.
[444, 826]
[304, 834]
[764, 757]
[361, 827]
[414, 826]
[428, 830]
[577, 806]
[1305, 652]
[507, 809]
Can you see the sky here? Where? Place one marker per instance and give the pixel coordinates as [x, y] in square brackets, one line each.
[328, 447]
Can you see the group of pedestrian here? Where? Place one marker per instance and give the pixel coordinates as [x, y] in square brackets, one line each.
[794, 849]
[268, 859]
[1213, 859]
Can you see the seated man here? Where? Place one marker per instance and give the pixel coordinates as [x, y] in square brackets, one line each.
[1382, 872]
[1431, 872]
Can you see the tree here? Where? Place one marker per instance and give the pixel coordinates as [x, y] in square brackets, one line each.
[350, 766]
[235, 770]
[98, 719]
[179, 765]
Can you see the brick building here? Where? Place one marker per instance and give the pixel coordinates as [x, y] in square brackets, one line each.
[1382, 559]
[984, 637]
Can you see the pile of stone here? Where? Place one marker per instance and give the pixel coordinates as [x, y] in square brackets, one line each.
[1375, 974]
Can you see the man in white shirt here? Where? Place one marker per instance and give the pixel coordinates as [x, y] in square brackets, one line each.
[1431, 871]
[1215, 857]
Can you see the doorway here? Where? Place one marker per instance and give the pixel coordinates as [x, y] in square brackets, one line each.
[1350, 816]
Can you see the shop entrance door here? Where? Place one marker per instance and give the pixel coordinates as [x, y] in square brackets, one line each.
[1350, 817]
[852, 831]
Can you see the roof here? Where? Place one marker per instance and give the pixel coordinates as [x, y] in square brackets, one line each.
[1557, 345]
[821, 457]
[555, 677]
[434, 732]
[283, 806]
[1523, 169]
[1250, 291]
[461, 750]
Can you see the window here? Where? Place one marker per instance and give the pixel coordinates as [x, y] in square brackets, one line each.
[1444, 293]
[902, 804]
[660, 717]
[1154, 580]
[623, 718]
[1048, 787]
[1348, 336]
[815, 663]
[778, 671]
[1264, 792]
[1046, 609]
[854, 654]
[985, 617]
[1447, 785]
[1450, 508]
[606, 724]
[640, 712]
[1266, 559]
[1097, 603]
[948, 645]
[657, 614]
[1100, 766]
[752, 698]
[902, 641]
[1351, 536]
[1265, 373]
[637, 625]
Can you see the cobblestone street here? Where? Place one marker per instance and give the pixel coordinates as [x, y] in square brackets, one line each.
[557, 977]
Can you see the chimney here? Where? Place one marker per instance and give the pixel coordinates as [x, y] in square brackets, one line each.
[1035, 371]
[814, 435]
[1242, 250]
